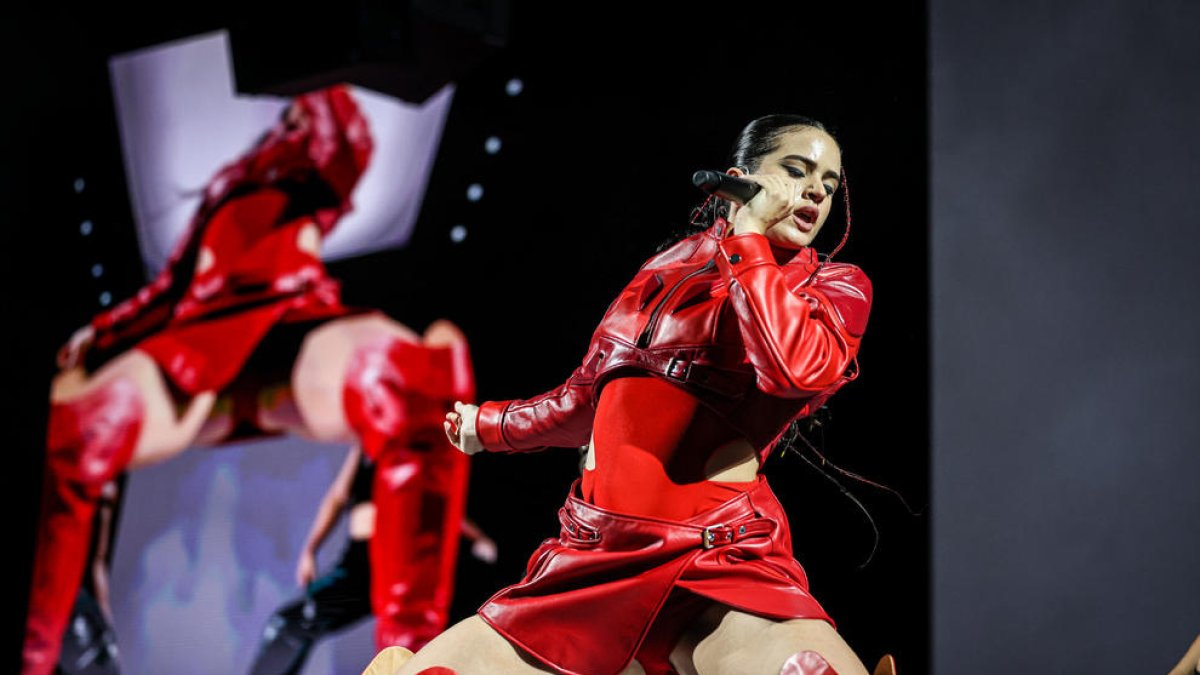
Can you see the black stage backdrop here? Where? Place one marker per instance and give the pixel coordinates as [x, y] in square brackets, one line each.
[616, 111]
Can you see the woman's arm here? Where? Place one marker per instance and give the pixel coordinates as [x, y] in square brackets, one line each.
[560, 418]
[799, 340]
[327, 516]
[151, 306]
[104, 517]
[482, 546]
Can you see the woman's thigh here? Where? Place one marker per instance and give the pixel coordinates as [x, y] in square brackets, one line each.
[165, 429]
[472, 646]
[320, 372]
[729, 642]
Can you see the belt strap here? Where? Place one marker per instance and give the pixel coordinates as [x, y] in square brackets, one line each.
[721, 535]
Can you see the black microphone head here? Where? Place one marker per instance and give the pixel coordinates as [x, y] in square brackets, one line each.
[725, 186]
[706, 180]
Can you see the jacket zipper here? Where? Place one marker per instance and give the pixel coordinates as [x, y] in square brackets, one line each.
[643, 340]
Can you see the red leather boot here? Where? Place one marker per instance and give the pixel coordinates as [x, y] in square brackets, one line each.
[89, 441]
[396, 396]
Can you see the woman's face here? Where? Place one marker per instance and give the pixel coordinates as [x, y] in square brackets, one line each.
[812, 159]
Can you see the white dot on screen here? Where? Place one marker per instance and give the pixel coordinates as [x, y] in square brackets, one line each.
[492, 145]
[474, 192]
[79, 185]
[85, 228]
[97, 270]
[514, 86]
[458, 233]
[105, 299]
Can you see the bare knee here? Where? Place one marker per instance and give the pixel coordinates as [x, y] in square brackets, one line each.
[442, 333]
[743, 643]
[472, 646]
[91, 436]
[166, 429]
[122, 417]
[818, 637]
[396, 391]
[320, 376]
[324, 423]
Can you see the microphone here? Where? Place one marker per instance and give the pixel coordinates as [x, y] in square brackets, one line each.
[725, 186]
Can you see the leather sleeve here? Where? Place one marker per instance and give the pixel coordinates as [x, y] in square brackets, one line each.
[151, 306]
[560, 418]
[800, 339]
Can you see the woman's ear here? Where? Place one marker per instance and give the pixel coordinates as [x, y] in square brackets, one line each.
[734, 206]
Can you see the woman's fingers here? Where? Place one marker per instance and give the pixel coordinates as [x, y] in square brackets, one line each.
[460, 428]
[774, 202]
[451, 434]
[777, 195]
[71, 353]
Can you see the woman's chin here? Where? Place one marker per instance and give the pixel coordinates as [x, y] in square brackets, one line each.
[790, 238]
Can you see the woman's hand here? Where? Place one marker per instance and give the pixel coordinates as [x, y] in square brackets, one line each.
[71, 354]
[306, 567]
[460, 427]
[485, 549]
[777, 199]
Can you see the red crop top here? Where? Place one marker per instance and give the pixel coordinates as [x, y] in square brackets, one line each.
[651, 442]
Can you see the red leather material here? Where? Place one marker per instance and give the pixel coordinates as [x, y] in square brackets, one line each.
[488, 424]
[89, 442]
[655, 465]
[259, 278]
[420, 498]
[396, 396]
[807, 663]
[761, 341]
[203, 325]
[628, 566]
[558, 418]
[396, 392]
[797, 348]
[91, 439]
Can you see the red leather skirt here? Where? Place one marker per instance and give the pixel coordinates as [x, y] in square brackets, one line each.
[207, 354]
[615, 586]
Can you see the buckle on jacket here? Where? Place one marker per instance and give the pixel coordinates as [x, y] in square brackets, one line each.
[678, 368]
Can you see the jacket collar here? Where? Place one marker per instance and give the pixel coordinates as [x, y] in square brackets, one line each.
[806, 257]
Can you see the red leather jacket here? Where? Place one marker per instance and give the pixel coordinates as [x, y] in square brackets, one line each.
[760, 341]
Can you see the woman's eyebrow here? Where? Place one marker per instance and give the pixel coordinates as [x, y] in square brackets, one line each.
[810, 164]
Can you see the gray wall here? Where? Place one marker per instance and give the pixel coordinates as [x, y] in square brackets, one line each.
[1065, 174]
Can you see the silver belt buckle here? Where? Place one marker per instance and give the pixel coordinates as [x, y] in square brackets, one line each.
[678, 368]
[707, 537]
